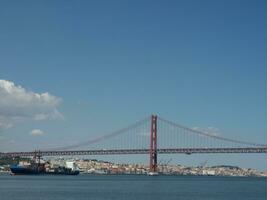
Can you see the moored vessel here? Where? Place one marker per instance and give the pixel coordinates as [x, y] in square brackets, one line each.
[44, 168]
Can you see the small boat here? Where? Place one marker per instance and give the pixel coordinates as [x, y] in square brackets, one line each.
[152, 173]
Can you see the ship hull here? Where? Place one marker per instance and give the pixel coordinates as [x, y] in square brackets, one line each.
[16, 170]
[22, 171]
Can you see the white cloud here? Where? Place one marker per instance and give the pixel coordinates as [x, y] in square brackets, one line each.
[5, 124]
[36, 132]
[18, 104]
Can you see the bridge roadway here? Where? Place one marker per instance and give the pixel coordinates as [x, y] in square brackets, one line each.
[137, 151]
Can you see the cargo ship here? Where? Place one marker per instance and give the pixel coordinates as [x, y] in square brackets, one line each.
[44, 168]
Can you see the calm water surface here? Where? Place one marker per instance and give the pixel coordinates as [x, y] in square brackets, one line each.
[131, 188]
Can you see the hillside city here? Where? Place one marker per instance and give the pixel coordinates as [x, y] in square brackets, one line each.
[98, 167]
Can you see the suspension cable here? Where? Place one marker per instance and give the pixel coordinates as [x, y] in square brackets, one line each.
[202, 133]
[102, 138]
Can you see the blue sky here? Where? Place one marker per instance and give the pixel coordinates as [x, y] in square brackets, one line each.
[199, 63]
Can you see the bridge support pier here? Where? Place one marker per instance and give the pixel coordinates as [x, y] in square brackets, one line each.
[153, 144]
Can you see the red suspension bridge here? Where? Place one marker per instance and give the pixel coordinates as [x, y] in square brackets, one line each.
[153, 136]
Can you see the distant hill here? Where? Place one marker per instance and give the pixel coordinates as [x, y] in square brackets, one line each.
[11, 161]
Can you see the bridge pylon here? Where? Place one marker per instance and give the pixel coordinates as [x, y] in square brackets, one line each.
[153, 144]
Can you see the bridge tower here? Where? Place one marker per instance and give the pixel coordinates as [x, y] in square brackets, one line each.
[153, 144]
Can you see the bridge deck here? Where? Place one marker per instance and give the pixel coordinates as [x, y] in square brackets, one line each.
[138, 151]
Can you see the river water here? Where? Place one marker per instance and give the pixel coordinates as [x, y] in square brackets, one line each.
[131, 188]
